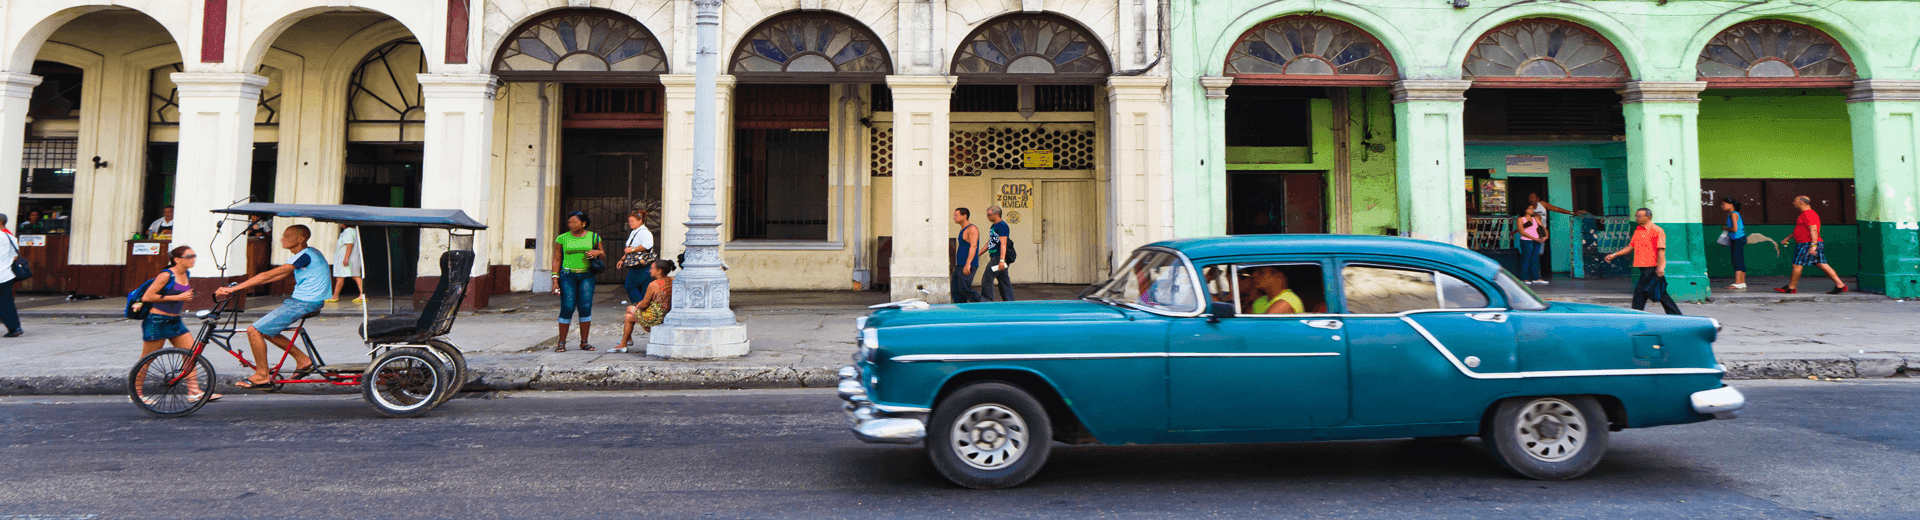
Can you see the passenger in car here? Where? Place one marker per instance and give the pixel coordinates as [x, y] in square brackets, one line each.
[1273, 296]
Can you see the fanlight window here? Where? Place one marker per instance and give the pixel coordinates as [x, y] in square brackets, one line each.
[1774, 49]
[582, 43]
[1302, 45]
[1030, 45]
[811, 44]
[386, 85]
[1544, 49]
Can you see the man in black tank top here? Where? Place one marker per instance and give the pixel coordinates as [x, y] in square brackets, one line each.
[966, 258]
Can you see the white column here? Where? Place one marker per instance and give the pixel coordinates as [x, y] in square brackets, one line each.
[1432, 150]
[1136, 108]
[921, 106]
[18, 91]
[457, 166]
[676, 178]
[216, 164]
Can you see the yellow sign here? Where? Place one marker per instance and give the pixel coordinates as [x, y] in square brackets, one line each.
[1038, 159]
[1014, 195]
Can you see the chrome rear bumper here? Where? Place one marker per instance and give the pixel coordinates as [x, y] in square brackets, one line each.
[875, 423]
[1724, 402]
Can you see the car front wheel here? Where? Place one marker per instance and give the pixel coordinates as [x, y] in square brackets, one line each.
[1548, 438]
[989, 435]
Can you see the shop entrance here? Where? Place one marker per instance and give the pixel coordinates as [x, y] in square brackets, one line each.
[608, 173]
[383, 175]
[1261, 203]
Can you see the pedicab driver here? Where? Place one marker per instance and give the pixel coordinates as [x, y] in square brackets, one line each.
[312, 285]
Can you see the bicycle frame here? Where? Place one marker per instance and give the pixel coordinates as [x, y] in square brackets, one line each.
[212, 332]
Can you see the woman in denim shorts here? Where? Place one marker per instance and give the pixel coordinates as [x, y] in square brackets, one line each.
[168, 296]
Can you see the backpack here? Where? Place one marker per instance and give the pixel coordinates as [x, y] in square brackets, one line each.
[136, 309]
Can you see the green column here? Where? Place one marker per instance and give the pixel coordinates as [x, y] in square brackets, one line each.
[1886, 175]
[1431, 163]
[1663, 175]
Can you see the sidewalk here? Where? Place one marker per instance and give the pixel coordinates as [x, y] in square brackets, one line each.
[801, 338]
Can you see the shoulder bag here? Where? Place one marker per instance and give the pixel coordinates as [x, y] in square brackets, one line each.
[595, 265]
[21, 269]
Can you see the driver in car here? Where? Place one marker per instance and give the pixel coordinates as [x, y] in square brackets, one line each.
[312, 285]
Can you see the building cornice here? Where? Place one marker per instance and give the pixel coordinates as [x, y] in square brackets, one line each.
[1662, 91]
[1216, 86]
[1451, 90]
[1870, 90]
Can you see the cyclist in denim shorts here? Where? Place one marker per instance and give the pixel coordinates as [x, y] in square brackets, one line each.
[312, 285]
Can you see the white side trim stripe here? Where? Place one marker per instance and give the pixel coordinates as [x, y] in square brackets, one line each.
[954, 358]
[1549, 373]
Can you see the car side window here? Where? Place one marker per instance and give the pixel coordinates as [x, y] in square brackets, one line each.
[1269, 287]
[1372, 289]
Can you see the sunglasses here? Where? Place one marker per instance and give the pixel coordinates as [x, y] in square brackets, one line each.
[189, 257]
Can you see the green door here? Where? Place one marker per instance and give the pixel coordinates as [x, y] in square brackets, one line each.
[1258, 371]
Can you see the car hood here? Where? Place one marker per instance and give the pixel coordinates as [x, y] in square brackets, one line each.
[997, 312]
[1587, 308]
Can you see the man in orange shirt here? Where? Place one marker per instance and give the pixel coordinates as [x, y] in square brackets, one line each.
[1649, 248]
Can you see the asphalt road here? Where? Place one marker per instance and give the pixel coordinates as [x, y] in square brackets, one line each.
[1805, 450]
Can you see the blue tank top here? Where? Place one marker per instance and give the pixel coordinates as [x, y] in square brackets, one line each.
[962, 256]
[1739, 226]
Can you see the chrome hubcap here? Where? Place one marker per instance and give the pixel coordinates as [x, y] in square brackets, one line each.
[989, 437]
[1551, 430]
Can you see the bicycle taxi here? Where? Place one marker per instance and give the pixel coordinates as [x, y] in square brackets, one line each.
[412, 366]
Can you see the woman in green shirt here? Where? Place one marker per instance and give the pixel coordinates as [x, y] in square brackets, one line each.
[1275, 296]
[571, 279]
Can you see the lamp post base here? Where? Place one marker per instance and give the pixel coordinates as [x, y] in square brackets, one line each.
[698, 342]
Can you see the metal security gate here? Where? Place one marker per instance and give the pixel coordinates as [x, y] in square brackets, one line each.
[608, 174]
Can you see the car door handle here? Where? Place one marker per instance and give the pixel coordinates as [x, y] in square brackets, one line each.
[1489, 317]
[1324, 324]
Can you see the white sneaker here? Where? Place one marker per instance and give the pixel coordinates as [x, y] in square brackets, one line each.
[1541, 282]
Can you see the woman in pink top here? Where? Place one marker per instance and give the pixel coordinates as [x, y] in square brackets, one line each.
[1532, 229]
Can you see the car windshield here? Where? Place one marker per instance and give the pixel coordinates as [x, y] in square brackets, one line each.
[1519, 296]
[1153, 280]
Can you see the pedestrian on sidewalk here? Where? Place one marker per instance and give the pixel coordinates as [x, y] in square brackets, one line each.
[1808, 248]
[573, 281]
[9, 253]
[310, 273]
[966, 258]
[638, 257]
[999, 254]
[1532, 228]
[652, 310]
[167, 298]
[346, 264]
[1736, 237]
[1649, 248]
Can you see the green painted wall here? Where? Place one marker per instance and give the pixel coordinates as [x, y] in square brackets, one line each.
[1843, 252]
[1775, 134]
[1376, 207]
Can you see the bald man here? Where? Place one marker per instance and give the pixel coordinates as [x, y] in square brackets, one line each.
[312, 285]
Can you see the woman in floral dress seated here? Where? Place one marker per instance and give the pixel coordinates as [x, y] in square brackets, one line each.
[651, 310]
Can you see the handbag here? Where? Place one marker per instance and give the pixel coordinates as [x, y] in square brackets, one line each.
[638, 259]
[1724, 240]
[21, 269]
[595, 266]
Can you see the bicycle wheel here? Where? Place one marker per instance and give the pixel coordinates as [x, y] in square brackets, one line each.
[404, 382]
[150, 385]
[456, 363]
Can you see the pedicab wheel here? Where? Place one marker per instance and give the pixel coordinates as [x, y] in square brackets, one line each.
[404, 382]
[989, 435]
[456, 363]
[148, 384]
[1548, 438]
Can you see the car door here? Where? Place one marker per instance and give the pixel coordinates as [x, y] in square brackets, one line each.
[1257, 371]
[1427, 343]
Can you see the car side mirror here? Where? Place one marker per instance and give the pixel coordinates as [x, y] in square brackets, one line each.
[1220, 310]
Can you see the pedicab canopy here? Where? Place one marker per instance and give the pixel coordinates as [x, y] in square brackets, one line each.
[355, 215]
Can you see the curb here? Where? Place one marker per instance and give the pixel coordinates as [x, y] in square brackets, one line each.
[695, 377]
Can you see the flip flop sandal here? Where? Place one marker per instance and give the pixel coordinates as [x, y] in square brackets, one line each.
[303, 372]
[562, 347]
[249, 384]
[586, 347]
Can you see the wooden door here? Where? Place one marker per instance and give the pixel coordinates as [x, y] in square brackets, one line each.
[1067, 252]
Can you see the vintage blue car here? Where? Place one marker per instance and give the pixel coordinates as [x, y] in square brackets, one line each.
[1279, 339]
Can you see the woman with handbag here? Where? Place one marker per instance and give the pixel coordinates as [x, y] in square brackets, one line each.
[638, 258]
[1734, 236]
[575, 255]
[15, 273]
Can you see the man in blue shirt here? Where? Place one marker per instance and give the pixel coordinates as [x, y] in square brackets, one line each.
[312, 285]
[999, 248]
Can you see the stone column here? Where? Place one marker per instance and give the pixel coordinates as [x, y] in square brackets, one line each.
[1136, 107]
[1886, 163]
[921, 210]
[457, 167]
[1432, 159]
[676, 179]
[215, 169]
[1663, 175]
[18, 91]
[1214, 159]
[701, 324]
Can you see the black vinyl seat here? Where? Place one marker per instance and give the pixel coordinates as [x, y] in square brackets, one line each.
[311, 315]
[436, 314]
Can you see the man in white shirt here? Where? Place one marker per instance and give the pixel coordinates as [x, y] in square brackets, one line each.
[162, 225]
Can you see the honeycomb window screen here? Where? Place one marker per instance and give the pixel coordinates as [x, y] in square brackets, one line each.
[971, 152]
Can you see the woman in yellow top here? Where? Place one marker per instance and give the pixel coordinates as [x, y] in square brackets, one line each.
[571, 278]
[1274, 296]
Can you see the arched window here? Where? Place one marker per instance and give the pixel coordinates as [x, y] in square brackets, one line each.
[1031, 48]
[1309, 50]
[1773, 53]
[1545, 53]
[581, 46]
[384, 96]
[810, 47]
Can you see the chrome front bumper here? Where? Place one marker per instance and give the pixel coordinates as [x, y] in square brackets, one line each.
[1724, 402]
[875, 423]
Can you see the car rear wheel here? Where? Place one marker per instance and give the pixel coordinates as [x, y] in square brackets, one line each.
[1548, 438]
[989, 435]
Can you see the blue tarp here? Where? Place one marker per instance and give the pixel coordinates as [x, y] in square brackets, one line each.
[361, 215]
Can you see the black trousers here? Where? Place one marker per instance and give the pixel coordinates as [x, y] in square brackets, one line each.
[996, 278]
[1654, 287]
[963, 287]
[8, 314]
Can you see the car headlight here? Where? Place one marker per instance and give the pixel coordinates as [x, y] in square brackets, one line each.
[869, 344]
